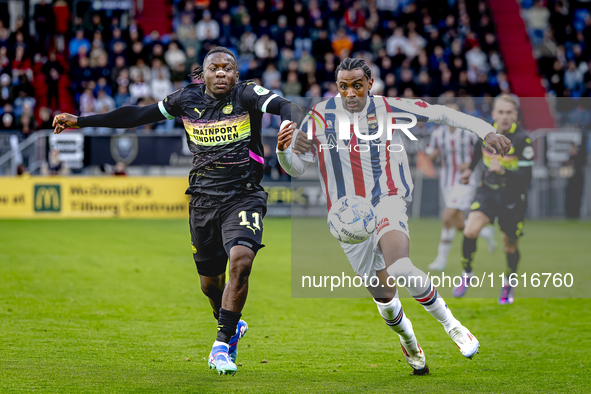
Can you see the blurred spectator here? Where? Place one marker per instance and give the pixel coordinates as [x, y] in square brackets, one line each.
[8, 122]
[265, 48]
[44, 23]
[161, 86]
[122, 97]
[341, 42]
[52, 70]
[207, 28]
[537, 18]
[139, 89]
[53, 165]
[5, 89]
[46, 118]
[78, 41]
[103, 103]
[174, 55]
[140, 69]
[120, 169]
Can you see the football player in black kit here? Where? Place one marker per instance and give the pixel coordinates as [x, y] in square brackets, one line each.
[222, 119]
[502, 195]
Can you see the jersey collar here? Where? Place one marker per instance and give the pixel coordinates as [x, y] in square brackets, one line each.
[510, 131]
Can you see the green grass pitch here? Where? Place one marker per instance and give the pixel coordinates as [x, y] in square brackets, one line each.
[115, 306]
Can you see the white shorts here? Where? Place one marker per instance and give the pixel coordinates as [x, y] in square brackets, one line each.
[458, 196]
[366, 257]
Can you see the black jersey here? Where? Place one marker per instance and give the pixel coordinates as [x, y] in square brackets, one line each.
[224, 136]
[517, 163]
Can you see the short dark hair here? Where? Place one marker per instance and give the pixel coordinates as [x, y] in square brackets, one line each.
[353, 64]
[198, 72]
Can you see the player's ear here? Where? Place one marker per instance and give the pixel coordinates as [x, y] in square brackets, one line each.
[369, 85]
[237, 75]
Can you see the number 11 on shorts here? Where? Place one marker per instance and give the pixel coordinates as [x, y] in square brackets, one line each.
[255, 218]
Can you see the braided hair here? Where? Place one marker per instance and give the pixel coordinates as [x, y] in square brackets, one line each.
[353, 64]
[198, 72]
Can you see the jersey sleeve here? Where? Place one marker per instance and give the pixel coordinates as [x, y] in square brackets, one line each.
[441, 114]
[170, 107]
[257, 98]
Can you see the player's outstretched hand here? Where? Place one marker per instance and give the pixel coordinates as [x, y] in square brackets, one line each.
[465, 177]
[63, 121]
[302, 143]
[284, 136]
[497, 143]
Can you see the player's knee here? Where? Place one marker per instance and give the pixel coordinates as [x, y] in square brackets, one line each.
[402, 268]
[448, 222]
[241, 259]
[471, 232]
[509, 249]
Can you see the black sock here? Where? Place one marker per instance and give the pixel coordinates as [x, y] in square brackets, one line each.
[512, 261]
[216, 316]
[227, 324]
[468, 252]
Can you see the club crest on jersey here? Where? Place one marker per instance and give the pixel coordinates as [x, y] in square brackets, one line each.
[372, 121]
[228, 109]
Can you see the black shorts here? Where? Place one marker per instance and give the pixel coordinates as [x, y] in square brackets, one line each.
[216, 228]
[509, 209]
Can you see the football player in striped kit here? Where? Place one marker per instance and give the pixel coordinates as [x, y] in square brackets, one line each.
[455, 148]
[380, 172]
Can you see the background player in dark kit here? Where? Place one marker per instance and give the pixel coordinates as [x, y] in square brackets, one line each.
[502, 195]
[222, 118]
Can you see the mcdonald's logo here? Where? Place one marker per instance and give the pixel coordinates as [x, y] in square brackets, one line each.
[47, 198]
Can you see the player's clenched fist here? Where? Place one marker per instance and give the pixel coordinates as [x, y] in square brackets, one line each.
[497, 143]
[465, 177]
[63, 121]
[284, 136]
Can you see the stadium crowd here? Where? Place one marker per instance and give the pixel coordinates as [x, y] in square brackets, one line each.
[89, 63]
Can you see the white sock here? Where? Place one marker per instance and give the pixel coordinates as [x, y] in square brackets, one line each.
[393, 315]
[447, 237]
[441, 312]
[420, 287]
[487, 232]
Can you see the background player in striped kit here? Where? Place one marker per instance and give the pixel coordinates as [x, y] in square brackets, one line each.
[454, 147]
[381, 175]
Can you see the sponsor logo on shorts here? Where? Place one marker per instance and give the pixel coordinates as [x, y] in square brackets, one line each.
[402, 225]
[381, 224]
[475, 205]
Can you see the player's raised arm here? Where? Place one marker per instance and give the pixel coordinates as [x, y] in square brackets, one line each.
[124, 118]
[444, 115]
